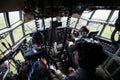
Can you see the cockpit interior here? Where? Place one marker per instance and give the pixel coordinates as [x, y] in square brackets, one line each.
[38, 37]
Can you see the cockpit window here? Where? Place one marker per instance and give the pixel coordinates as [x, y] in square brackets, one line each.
[14, 17]
[107, 31]
[17, 33]
[72, 21]
[29, 26]
[101, 15]
[82, 22]
[5, 40]
[12, 32]
[86, 14]
[114, 17]
[95, 27]
[2, 21]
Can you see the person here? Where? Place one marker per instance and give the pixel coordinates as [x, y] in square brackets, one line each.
[90, 56]
[73, 62]
[83, 32]
[37, 39]
[35, 66]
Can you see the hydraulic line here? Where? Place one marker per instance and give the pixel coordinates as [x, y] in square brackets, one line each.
[66, 32]
[43, 22]
[81, 9]
[51, 32]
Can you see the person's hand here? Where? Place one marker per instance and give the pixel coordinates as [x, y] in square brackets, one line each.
[44, 62]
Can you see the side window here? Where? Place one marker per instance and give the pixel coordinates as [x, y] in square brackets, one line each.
[81, 23]
[17, 33]
[107, 31]
[16, 29]
[114, 17]
[14, 17]
[64, 20]
[6, 40]
[2, 21]
[95, 27]
[100, 15]
[29, 26]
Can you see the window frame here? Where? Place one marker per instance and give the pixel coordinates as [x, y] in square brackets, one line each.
[9, 28]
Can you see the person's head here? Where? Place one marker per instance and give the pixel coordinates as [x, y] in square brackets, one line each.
[37, 38]
[84, 28]
[84, 31]
[90, 54]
